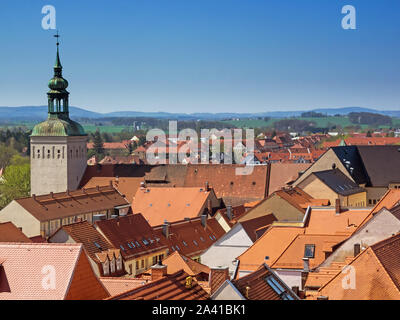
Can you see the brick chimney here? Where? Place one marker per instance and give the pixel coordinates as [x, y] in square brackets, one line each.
[337, 206]
[207, 187]
[218, 275]
[158, 271]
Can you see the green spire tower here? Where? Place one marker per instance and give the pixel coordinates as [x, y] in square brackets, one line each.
[58, 144]
[58, 122]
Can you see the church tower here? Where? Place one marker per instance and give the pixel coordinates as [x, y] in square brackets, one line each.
[58, 145]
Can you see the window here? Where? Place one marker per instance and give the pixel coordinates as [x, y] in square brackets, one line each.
[142, 264]
[309, 251]
[184, 243]
[154, 260]
[145, 242]
[202, 239]
[278, 288]
[105, 267]
[130, 247]
[137, 244]
[177, 248]
[119, 263]
[112, 265]
[132, 244]
[195, 243]
[97, 245]
[137, 264]
[122, 248]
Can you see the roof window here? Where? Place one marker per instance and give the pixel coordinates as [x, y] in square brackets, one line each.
[309, 251]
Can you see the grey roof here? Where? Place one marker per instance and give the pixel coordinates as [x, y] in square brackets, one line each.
[374, 166]
[338, 182]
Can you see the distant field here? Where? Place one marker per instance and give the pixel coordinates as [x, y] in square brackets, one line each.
[243, 123]
[320, 122]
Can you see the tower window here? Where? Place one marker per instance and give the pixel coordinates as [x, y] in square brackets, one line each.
[58, 154]
[38, 154]
[48, 154]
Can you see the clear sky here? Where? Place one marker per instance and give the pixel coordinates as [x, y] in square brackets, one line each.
[204, 55]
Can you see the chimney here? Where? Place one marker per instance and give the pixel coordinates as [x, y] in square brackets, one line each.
[165, 229]
[158, 271]
[204, 220]
[337, 206]
[51, 194]
[229, 212]
[306, 265]
[357, 249]
[34, 197]
[217, 276]
[207, 188]
[209, 206]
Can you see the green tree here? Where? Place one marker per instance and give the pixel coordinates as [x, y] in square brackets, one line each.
[6, 154]
[98, 146]
[16, 183]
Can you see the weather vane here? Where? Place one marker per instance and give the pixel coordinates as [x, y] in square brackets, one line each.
[57, 36]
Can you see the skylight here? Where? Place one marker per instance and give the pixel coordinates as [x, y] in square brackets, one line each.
[276, 286]
[97, 245]
[194, 241]
[137, 244]
[184, 243]
[145, 242]
[123, 249]
[309, 251]
[133, 245]
[130, 247]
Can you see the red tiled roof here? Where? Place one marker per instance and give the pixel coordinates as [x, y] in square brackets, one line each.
[192, 233]
[125, 230]
[10, 233]
[172, 204]
[227, 184]
[26, 265]
[85, 233]
[116, 286]
[170, 287]
[72, 203]
[255, 287]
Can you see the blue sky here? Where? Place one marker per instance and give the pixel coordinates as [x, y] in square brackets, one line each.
[204, 55]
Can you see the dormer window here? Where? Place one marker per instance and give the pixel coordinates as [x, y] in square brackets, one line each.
[309, 251]
[106, 269]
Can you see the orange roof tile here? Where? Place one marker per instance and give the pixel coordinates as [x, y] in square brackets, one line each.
[85, 233]
[10, 233]
[75, 278]
[177, 261]
[281, 173]
[65, 204]
[291, 257]
[170, 287]
[377, 275]
[171, 204]
[190, 237]
[117, 286]
[255, 287]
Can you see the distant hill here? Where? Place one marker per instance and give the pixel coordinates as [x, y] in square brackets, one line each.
[38, 113]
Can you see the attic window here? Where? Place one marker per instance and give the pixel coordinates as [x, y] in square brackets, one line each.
[210, 237]
[195, 243]
[97, 245]
[309, 251]
[133, 245]
[145, 242]
[130, 247]
[122, 248]
[137, 244]
[184, 243]
[177, 248]
[277, 287]
[202, 239]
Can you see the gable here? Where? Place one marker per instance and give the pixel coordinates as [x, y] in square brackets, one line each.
[84, 284]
